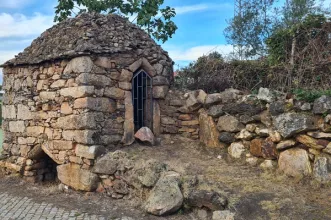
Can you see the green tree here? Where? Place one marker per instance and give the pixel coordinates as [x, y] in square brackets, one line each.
[149, 15]
[250, 27]
[300, 23]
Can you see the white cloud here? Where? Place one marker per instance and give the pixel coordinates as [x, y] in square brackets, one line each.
[14, 3]
[200, 7]
[191, 8]
[19, 25]
[198, 51]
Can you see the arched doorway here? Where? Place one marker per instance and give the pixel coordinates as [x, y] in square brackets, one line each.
[142, 99]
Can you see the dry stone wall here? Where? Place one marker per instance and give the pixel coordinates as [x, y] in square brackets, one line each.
[267, 129]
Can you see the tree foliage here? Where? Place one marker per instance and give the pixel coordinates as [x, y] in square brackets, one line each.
[250, 27]
[149, 14]
[306, 32]
[262, 29]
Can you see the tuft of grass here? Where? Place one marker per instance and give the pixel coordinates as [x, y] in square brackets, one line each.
[310, 95]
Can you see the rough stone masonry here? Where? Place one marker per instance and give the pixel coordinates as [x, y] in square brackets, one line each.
[68, 97]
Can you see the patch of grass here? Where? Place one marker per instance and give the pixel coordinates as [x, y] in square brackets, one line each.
[310, 95]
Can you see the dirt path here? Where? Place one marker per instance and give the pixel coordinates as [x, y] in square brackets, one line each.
[253, 193]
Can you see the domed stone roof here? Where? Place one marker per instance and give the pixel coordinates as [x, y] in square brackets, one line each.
[88, 34]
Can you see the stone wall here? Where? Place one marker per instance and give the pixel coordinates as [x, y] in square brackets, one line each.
[73, 110]
[267, 129]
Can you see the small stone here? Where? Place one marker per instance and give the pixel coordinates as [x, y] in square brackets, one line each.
[253, 161]
[263, 148]
[319, 135]
[244, 135]
[213, 98]
[226, 137]
[285, 144]
[145, 135]
[66, 109]
[322, 169]
[251, 127]
[223, 215]
[160, 92]
[277, 108]
[89, 152]
[266, 95]
[311, 142]
[201, 96]
[114, 93]
[327, 149]
[275, 136]
[79, 65]
[209, 199]
[215, 111]
[192, 102]
[262, 132]
[322, 105]
[236, 150]
[229, 123]
[268, 164]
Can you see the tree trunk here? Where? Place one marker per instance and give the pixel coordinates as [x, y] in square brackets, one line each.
[294, 43]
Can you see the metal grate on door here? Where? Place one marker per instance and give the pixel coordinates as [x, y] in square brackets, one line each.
[142, 99]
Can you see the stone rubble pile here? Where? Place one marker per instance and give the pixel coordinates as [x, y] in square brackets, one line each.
[161, 190]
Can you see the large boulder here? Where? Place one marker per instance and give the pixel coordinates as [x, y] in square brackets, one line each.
[145, 135]
[229, 123]
[294, 162]
[208, 131]
[79, 179]
[165, 197]
[288, 124]
[322, 105]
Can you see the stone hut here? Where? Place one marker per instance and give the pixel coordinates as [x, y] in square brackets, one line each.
[84, 85]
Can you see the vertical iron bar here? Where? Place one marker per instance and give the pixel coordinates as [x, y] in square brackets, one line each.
[137, 105]
[146, 98]
[152, 101]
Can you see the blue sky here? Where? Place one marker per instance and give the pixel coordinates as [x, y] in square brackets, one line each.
[200, 26]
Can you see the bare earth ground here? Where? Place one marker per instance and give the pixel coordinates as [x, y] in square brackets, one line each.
[252, 193]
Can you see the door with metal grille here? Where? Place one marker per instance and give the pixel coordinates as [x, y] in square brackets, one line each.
[142, 95]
